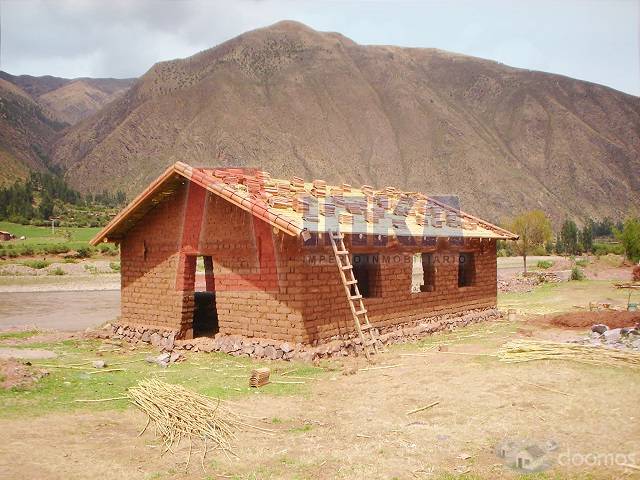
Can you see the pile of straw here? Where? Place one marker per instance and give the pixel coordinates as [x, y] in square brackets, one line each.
[529, 350]
[179, 413]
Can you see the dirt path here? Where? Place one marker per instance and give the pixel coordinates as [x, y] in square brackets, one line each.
[357, 426]
[67, 310]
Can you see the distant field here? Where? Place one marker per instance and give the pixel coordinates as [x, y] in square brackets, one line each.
[41, 239]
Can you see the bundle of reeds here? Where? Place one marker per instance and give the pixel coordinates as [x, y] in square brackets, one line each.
[181, 414]
[530, 350]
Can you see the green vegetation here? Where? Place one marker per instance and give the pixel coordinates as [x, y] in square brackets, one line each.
[577, 273]
[45, 195]
[42, 241]
[608, 248]
[629, 236]
[18, 335]
[57, 271]
[37, 264]
[534, 230]
[544, 264]
[562, 297]
[582, 262]
[115, 266]
[214, 374]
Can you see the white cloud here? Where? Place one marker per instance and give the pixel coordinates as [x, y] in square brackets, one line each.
[592, 40]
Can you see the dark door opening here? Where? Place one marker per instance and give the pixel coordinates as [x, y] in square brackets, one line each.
[205, 314]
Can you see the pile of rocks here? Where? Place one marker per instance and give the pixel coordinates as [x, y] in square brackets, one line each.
[621, 338]
[347, 344]
[163, 339]
[527, 283]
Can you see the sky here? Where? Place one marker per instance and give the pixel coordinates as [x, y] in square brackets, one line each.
[594, 40]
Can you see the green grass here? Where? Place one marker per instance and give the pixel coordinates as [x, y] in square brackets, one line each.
[544, 264]
[213, 374]
[564, 296]
[18, 335]
[41, 240]
[37, 264]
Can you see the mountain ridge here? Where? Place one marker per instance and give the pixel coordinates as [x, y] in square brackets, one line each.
[294, 101]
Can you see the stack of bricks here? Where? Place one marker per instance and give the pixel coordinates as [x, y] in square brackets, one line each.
[319, 188]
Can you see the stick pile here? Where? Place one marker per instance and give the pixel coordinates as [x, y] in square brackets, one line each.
[529, 350]
[179, 413]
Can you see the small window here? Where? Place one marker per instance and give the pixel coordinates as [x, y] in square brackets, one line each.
[466, 270]
[423, 275]
[366, 270]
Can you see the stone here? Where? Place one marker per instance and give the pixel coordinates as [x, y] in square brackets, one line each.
[258, 352]
[155, 339]
[286, 347]
[248, 349]
[270, 352]
[612, 336]
[99, 364]
[170, 341]
[599, 328]
[146, 336]
[163, 357]
[175, 356]
[279, 353]
[120, 331]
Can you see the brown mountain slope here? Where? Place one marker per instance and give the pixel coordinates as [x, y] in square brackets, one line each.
[26, 131]
[295, 101]
[70, 100]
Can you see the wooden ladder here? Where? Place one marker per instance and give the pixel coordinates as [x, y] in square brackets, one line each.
[354, 298]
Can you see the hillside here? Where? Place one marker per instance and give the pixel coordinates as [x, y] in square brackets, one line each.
[26, 132]
[296, 101]
[70, 100]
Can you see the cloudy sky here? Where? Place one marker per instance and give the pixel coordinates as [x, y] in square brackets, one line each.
[595, 40]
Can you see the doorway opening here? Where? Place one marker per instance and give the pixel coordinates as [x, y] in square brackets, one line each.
[205, 314]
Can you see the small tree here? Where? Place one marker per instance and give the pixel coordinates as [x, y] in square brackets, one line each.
[586, 236]
[534, 230]
[569, 235]
[629, 235]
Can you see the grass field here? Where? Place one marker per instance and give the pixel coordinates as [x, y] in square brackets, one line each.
[40, 240]
[565, 296]
[214, 374]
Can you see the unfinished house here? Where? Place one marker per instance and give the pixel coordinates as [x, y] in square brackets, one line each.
[236, 252]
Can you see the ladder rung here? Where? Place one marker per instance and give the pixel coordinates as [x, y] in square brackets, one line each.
[337, 237]
[347, 267]
[351, 282]
[342, 252]
[361, 312]
[366, 327]
[355, 297]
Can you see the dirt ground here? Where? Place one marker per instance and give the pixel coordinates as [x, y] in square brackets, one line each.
[357, 426]
[613, 319]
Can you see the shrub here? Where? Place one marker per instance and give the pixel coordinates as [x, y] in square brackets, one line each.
[37, 264]
[56, 248]
[577, 273]
[27, 250]
[544, 264]
[85, 252]
[582, 262]
[607, 248]
[115, 266]
[57, 271]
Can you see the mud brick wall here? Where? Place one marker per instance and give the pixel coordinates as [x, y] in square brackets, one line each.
[250, 268]
[327, 314]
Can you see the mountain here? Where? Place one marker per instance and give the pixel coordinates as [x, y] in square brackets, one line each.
[26, 131]
[295, 101]
[70, 100]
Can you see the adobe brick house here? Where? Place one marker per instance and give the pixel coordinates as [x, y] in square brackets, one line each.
[267, 263]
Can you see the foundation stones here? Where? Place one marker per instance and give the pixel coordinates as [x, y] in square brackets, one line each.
[338, 346]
